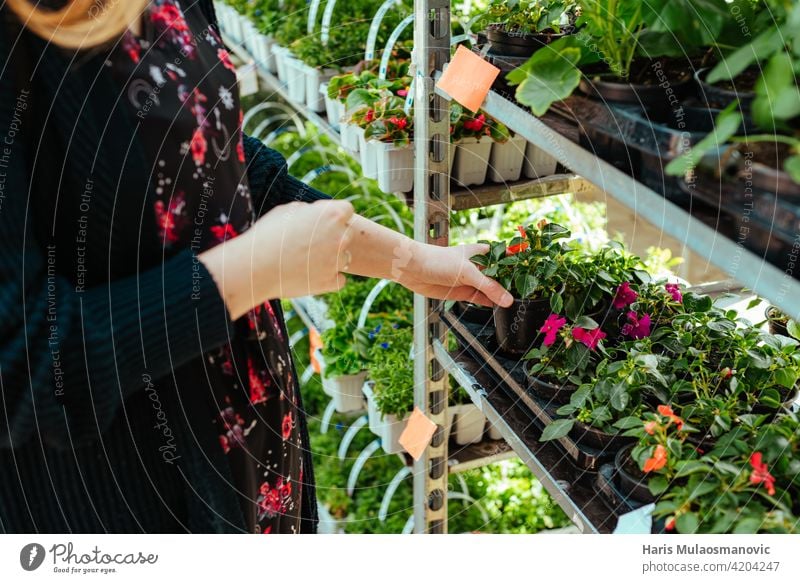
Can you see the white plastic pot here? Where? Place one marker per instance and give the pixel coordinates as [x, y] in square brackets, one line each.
[269, 61]
[494, 433]
[235, 25]
[281, 54]
[388, 428]
[334, 108]
[295, 79]
[470, 161]
[314, 79]
[368, 155]
[345, 391]
[249, 36]
[538, 163]
[394, 166]
[468, 423]
[505, 163]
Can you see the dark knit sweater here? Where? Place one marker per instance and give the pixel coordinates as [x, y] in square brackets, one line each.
[91, 309]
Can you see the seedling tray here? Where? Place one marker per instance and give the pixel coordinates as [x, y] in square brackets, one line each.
[478, 341]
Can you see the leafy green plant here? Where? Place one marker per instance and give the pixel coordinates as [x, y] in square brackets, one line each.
[465, 124]
[392, 370]
[529, 16]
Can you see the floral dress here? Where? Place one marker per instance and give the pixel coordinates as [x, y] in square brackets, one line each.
[180, 84]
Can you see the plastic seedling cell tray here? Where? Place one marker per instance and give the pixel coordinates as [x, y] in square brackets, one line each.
[479, 342]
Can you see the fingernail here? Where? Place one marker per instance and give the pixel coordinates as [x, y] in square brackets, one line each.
[507, 299]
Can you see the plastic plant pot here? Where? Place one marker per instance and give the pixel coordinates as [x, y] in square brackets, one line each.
[506, 160]
[776, 321]
[234, 25]
[555, 393]
[345, 391]
[334, 108]
[349, 136]
[719, 97]
[631, 481]
[394, 166]
[388, 428]
[468, 424]
[589, 436]
[493, 433]
[250, 35]
[517, 327]
[280, 54]
[296, 79]
[512, 44]
[538, 163]
[267, 56]
[473, 313]
[314, 79]
[652, 99]
[368, 155]
[470, 161]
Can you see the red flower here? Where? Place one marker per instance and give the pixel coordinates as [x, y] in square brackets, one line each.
[286, 426]
[475, 125]
[761, 474]
[267, 530]
[650, 427]
[670, 524]
[223, 441]
[726, 372]
[400, 122]
[667, 411]
[258, 388]
[637, 328]
[402, 92]
[199, 147]
[225, 57]
[658, 461]
[591, 338]
[674, 290]
[550, 329]
[370, 116]
[625, 296]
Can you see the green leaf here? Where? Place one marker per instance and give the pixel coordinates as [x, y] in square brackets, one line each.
[550, 75]
[586, 323]
[725, 127]
[687, 523]
[792, 167]
[619, 397]
[792, 327]
[557, 429]
[658, 485]
[556, 303]
[629, 422]
[732, 65]
[748, 525]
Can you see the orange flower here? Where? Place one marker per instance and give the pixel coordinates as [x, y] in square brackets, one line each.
[658, 461]
[760, 474]
[667, 411]
[514, 249]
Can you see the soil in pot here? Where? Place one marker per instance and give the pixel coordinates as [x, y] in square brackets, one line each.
[510, 43]
[721, 94]
[473, 313]
[517, 327]
[631, 481]
[776, 321]
[644, 88]
[589, 436]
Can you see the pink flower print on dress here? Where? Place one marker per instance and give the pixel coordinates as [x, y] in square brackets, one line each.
[169, 218]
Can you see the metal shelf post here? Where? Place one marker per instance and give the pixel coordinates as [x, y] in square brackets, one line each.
[431, 225]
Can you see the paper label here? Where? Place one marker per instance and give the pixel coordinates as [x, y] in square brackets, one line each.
[417, 434]
[468, 79]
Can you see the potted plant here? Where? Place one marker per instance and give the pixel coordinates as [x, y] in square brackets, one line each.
[389, 143]
[266, 16]
[344, 371]
[390, 390]
[472, 136]
[526, 266]
[508, 158]
[517, 28]
[780, 323]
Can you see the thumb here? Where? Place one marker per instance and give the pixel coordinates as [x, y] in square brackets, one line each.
[475, 249]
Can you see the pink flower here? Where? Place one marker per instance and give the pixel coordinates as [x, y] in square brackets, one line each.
[286, 426]
[637, 328]
[625, 296]
[550, 329]
[223, 232]
[591, 338]
[674, 290]
[399, 122]
[199, 147]
[402, 92]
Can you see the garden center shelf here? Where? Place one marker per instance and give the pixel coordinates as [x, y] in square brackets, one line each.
[573, 490]
[461, 198]
[555, 137]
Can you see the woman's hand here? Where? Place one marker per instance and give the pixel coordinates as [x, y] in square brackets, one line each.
[294, 250]
[446, 273]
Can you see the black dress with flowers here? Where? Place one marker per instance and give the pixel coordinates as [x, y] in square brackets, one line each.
[181, 86]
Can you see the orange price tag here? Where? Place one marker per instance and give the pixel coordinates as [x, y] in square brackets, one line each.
[314, 342]
[468, 79]
[417, 434]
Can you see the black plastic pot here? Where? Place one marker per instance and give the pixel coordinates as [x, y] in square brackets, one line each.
[653, 100]
[517, 326]
[719, 97]
[560, 394]
[788, 401]
[613, 151]
[587, 435]
[631, 481]
[513, 44]
[776, 321]
[474, 314]
[772, 180]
